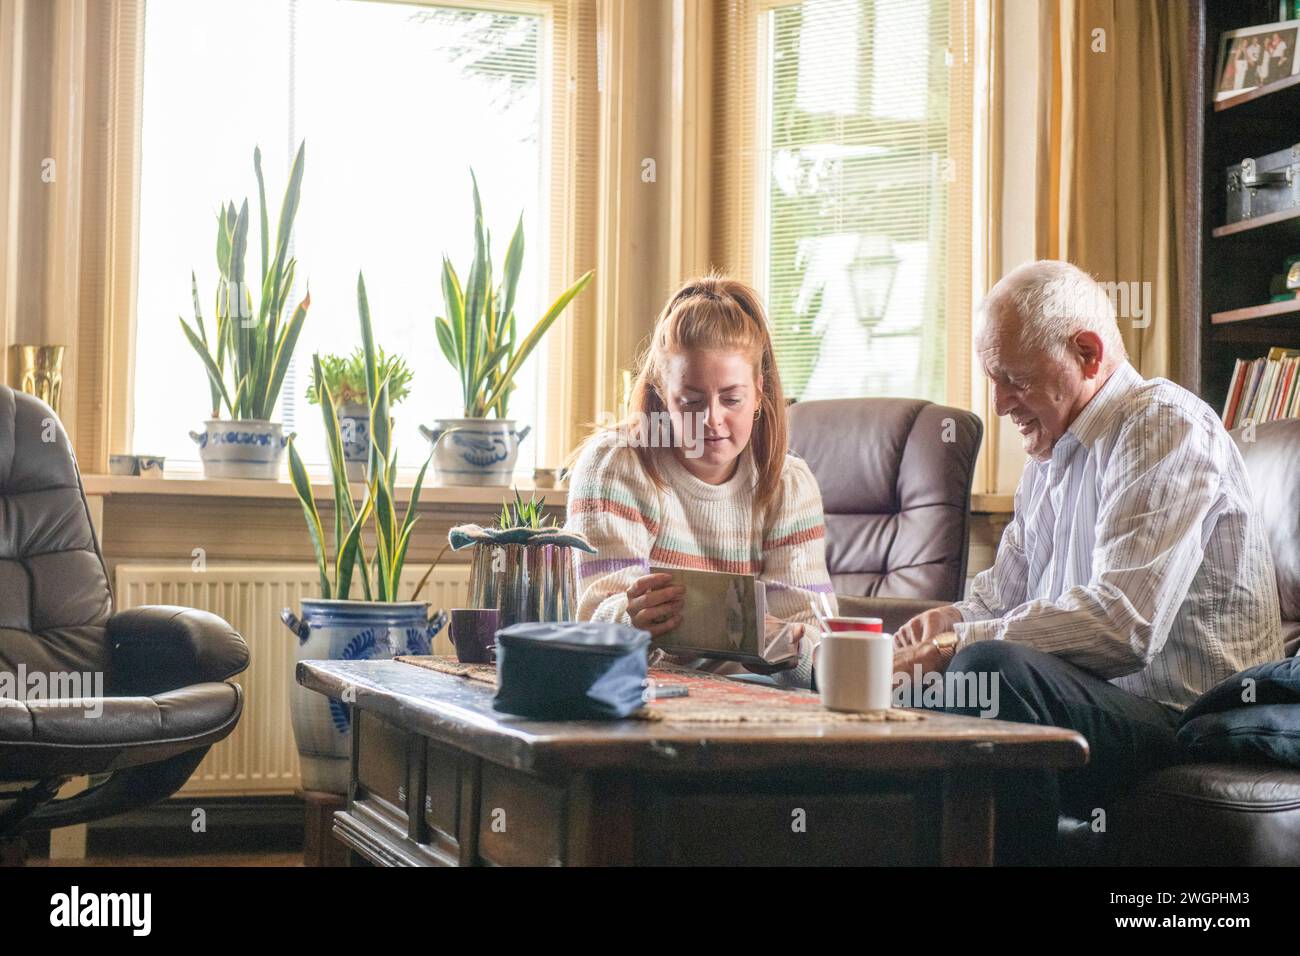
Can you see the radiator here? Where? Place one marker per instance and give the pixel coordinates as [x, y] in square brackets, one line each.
[260, 757]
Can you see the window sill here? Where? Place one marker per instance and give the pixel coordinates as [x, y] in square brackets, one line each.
[992, 504]
[197, 486]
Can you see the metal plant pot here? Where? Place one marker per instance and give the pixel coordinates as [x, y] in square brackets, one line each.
[525, 573]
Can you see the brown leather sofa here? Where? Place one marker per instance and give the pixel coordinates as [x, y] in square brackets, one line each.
[1227, 814]
[895, 477]
[153, 681]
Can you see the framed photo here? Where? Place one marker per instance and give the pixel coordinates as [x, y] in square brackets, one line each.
[1256, 56]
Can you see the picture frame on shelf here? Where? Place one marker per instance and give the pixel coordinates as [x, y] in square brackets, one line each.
[1255, 56]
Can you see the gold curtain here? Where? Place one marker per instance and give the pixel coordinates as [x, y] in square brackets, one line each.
[69, 81]
[1111, 150]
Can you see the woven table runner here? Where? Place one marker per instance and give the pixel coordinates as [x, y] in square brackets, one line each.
[712, 700]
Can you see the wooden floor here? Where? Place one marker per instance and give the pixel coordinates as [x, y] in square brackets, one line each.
[202, 859]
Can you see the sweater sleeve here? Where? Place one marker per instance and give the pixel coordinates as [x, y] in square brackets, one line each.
[616, 506]
[794, 562]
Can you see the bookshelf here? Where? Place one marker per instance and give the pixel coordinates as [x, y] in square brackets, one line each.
[1227, 312]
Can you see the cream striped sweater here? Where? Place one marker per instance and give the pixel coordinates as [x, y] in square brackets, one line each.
[692, 524]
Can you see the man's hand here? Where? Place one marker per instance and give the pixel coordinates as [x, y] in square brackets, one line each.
[654, 603]
[926, 625]
[933, 654]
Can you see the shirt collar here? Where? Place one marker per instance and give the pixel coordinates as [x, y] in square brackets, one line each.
[1096, 415]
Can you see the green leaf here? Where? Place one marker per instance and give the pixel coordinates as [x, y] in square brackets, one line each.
[302, 485]
[415, 499]
[344, 511]
[367, 338]
[348, 551]
[261, 205]
[214, 374]
[223, 243]
[514, 264]
[530, 341]
[284, 354]
[289, 209]
[446, 340]
[454, 299]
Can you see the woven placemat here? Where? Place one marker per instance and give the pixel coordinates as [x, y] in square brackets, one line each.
[712, 700]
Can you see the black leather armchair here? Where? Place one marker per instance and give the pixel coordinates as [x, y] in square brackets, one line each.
[895, 476]
[145, 692]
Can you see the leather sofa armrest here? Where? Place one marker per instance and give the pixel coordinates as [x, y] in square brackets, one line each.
[894, 611]
[158, 648]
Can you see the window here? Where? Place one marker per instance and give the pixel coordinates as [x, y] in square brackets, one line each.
[858, 243]
[396, 102]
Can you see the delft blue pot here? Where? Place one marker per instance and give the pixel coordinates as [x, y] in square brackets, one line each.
[346, 631]
[354, 429]
[244, 448]
[475, 451]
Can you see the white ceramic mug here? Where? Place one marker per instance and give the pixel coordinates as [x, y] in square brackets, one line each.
[855, 670]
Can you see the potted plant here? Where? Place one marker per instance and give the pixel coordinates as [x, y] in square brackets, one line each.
[523, 566]
[250, 350]
[337, 626]
[345, 378]
[477, 336]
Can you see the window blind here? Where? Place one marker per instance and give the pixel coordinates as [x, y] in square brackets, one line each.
[846, 201]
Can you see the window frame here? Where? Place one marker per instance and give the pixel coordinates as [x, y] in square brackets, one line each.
[568, 128]
[967, 116]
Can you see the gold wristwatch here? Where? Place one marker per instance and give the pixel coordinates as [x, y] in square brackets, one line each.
[947, 643]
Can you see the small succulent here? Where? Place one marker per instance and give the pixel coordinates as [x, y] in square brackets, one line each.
[524, 514]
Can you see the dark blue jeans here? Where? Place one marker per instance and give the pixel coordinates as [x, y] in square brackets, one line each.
[1128, 736]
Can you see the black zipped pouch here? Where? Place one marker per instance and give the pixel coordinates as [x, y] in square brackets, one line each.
[581, 670]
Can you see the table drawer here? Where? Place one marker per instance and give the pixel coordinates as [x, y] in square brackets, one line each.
[382, 769]
[448, 799]
[521, 819]
[755, 829]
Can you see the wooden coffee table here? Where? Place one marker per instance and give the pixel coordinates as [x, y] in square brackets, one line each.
[441, 779]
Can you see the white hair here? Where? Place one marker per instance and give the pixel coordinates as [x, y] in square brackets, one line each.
[1054, 301]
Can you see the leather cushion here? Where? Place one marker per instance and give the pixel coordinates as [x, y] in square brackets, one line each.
[1221, 814]
[114, 721]
[54, 593]
[895, 478]
[1273, 682]
[1256, 732]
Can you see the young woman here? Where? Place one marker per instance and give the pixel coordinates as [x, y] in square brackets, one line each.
[698, 476]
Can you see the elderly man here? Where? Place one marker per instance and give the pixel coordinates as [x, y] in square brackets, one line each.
[1134, 574]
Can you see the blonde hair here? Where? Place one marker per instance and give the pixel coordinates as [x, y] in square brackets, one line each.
[717, 314]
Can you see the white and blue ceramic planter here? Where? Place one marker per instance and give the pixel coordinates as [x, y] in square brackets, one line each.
[346, 631]
[248, 448]
[354, 430]
[475, 451]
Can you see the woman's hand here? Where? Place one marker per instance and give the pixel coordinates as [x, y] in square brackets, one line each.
[654, 603]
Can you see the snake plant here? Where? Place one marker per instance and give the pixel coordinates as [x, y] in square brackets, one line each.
[477, 334]
[250, 351]
[380, 576]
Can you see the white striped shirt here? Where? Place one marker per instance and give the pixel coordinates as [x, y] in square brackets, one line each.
[1135, 552]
